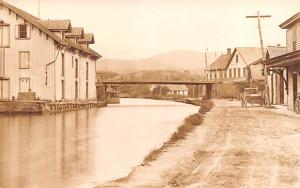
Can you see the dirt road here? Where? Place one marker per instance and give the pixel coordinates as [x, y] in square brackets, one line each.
[233, 147]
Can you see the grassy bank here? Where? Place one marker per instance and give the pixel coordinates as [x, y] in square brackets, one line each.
[189, 124]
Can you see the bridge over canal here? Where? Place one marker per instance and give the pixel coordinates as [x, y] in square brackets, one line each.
[159, 81]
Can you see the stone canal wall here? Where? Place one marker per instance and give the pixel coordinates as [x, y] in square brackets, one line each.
[13, 107]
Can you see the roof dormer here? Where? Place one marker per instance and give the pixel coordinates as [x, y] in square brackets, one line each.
[87, 40]
[58, 27]
[75, 34]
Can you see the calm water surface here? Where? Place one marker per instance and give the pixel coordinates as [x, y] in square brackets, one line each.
[81, 148]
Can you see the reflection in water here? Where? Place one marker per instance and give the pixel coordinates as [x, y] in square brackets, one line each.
[78, 147]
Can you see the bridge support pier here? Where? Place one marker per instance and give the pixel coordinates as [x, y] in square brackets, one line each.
[208, 91]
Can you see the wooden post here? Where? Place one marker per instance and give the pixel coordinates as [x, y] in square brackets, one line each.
[258, 16]
[207, 72]
[160, 90]
[194, 91]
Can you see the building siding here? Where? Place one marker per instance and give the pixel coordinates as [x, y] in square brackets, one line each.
[290, 100]
[298, 36]
[39, 56]
[233, 65]
[45, 81]
[289, 37]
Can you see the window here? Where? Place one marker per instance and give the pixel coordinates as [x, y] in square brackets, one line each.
[2, 63]
[244, 72]
[24, 60]
[87, 71]
[230, 73]
[72, 62]
[294, 39]
[234, 72]
[239, 72]
[236, 58]
[23, 31]
[87, 90]
[76, 90]
[76, 68]
[62, 89]
[62, 65]
[4, 36]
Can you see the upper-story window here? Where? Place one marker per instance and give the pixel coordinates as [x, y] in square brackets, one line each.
[23, 31]
[62, 65]
[236, 58]
[87, 71]
[294, 39]
[24, 58]
[76, 68]
[4, 35]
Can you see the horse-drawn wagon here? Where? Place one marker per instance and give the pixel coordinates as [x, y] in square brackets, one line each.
[252, 95]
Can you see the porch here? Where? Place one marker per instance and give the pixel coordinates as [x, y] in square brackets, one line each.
[291, 62]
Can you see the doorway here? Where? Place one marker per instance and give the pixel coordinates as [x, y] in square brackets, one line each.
[295, 87]
[4, 89]
[24, 84]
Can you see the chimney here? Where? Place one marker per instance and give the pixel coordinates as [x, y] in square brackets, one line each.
[228, 51]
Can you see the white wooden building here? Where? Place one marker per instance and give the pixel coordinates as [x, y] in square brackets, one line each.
[291, 60]
[178, 90]
[47, 57]
[232, 66]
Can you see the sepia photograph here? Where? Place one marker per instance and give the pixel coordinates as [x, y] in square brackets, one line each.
[149, 94]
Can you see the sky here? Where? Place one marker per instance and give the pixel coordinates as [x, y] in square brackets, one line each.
[141, 28]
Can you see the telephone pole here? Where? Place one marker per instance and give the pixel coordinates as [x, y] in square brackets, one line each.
[258, 16]
[205, 56]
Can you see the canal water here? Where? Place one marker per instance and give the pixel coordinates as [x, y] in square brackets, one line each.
[84, 147]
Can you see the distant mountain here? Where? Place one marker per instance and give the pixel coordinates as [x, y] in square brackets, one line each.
[179, 60]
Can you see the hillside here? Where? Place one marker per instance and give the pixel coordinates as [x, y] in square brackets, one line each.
[174, 60]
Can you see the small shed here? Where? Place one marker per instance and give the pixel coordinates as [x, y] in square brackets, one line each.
[178, 90]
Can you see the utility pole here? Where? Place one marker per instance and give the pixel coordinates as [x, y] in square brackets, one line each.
[258, 16]
[207, 71]
[205, 53]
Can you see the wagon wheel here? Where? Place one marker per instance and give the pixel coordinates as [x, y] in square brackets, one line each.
[242, 97]
[242, 101]
[246, 102]
[264, 101]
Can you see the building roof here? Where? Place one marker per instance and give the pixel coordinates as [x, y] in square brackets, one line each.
[274, 51]
[76, 31]
[249, 54]
[36, 22]
[221, 63]
[291, 21]
[177, 87]
[285, 60]
[88, 38]
[54, 25]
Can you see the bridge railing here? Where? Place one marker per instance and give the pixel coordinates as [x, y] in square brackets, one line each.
[155, 79]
